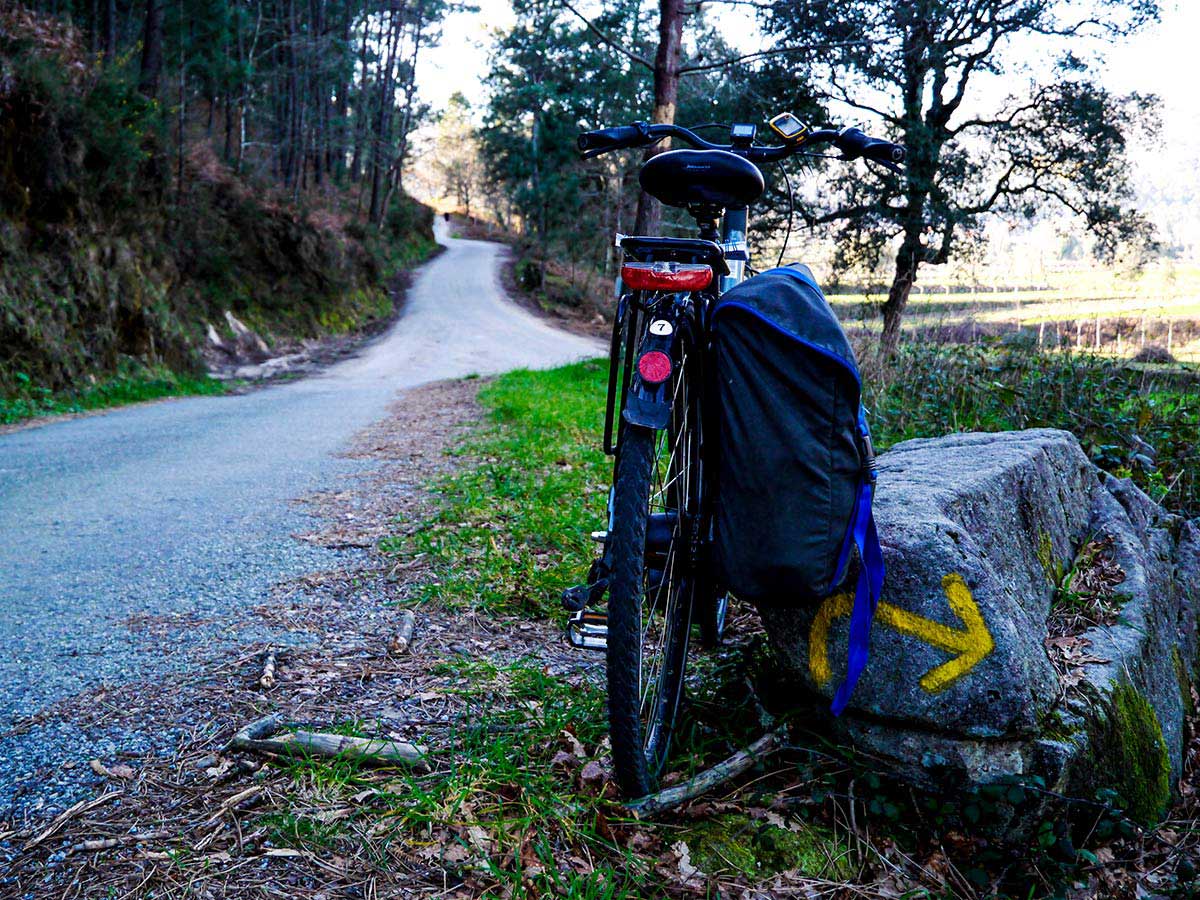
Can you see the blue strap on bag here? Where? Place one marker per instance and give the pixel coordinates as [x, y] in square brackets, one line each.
[870, 574]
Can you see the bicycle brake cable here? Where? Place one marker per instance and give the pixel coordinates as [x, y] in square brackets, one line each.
[791, 214]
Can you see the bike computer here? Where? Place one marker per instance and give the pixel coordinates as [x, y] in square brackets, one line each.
[788, 127]
[741, 135]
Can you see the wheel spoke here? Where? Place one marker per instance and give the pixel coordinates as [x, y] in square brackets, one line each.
[666, 602]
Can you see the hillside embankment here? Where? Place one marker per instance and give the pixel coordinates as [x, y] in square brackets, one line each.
[117, 251]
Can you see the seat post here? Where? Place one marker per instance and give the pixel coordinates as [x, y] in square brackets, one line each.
[733, 243]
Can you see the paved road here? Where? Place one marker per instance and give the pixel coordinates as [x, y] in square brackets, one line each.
[182, 507]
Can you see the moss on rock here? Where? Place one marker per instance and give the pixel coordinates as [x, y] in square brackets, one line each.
[1184, 678]
[1131, 755]
[1054, 727]
[735, 842]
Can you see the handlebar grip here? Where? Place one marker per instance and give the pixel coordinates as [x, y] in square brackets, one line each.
[853, 144]
[606, 139]
[886, 152]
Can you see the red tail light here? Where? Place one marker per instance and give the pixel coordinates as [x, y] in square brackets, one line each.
[654, 366]
[666, 276]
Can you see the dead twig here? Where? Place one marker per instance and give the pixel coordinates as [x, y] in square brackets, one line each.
[723, 772]
[267, 680]
[402, 639]
[255, 737]
[81, 807]
[256, 730]
[109, 843]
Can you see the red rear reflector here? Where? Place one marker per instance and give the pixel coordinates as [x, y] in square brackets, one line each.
[665, 276]
[654, 367]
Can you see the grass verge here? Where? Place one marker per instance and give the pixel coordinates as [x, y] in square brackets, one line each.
[133, 386]
[512, 529]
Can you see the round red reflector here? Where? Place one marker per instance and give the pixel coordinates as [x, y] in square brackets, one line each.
[654, 367]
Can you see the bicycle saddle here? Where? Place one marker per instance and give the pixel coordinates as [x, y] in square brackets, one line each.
[687, 178]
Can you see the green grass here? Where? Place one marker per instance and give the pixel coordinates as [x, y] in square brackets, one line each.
[513, 528]
[501, 809]
[933, 390]
[133, 386]
[496, 807]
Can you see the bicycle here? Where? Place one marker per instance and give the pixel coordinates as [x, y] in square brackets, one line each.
[655, 568]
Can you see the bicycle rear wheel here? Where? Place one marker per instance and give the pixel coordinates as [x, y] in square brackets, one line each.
[650, 591]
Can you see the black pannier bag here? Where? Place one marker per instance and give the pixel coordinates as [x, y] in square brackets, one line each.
[796, 468]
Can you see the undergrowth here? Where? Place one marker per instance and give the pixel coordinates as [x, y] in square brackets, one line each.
[1130, 420]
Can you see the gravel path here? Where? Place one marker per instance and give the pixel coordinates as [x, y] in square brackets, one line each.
[180, 511]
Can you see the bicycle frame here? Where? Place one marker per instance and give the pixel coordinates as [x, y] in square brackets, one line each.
[687, 314]
[657, 568]
[733, 252]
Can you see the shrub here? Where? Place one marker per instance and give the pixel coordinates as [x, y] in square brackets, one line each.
[1130, 421]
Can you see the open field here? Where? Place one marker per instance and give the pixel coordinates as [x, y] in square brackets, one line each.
[1114, 313]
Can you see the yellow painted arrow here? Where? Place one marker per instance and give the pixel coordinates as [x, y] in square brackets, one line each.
[969, 646]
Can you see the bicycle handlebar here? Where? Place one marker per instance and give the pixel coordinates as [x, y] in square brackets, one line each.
[604, 140]
[851, 141]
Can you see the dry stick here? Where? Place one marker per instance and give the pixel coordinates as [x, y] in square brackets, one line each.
[64, 817]
[110, 843]
[402, 639]
[255, 737]
[719, 774]
[256, 730]
[267, 680]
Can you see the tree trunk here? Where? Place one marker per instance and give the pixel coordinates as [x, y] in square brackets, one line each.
[336, 163]
[410, 88]
[907, 261]
[383, 125]
[110, 30]
[227, 108]
[242, 87]
[666, 96]
[360, 109]
[181, 118]
[152, 55]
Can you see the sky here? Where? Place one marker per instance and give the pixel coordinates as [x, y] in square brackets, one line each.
[1161, 60]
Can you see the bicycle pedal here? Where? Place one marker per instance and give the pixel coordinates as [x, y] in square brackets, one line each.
[588, 630]
[575, 598]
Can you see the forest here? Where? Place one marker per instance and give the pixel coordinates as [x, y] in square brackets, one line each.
[166, 163]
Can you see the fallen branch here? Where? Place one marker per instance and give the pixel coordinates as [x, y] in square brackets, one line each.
[723, 772]
[256, 730]
[267, 680]
[402, 639]
[255, 737]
